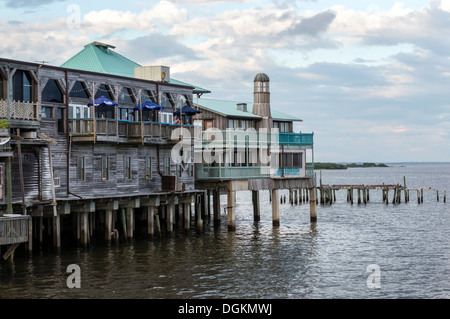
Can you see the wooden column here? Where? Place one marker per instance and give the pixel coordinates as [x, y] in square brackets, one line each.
[256, 206]
[170, 217]
[57, 231]
[130, 223]
[231, 209]
[84, 228]
[108, 225]
[275, 209]
[198, 212]
[312, 205]
[216, 206]
[187, 215]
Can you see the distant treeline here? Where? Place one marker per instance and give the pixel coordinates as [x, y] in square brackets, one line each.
[319, 165]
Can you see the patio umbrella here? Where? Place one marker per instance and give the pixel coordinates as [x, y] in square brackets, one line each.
[187, 110]
[102, 101]
[148, 106]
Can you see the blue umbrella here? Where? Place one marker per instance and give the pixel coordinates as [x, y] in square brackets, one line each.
[187, 110]
[103, 101]
[148, 106]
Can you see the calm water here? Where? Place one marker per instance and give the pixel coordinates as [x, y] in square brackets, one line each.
[409, 243]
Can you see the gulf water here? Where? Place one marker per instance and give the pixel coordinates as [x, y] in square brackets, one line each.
[372, 251]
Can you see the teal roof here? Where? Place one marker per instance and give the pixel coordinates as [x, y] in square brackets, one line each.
[99, 57]
[229, 109]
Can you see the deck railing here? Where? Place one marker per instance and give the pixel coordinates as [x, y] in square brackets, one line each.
[14, 229]
[254, 138]
[19, 110]
[84, 127]
[235, 173]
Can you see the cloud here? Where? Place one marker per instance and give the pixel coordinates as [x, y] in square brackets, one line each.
[29, 3]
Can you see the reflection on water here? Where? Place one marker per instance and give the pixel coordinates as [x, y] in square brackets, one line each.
[327, 259]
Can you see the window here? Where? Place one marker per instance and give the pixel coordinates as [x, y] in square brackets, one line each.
[125, 114]
[57, 177]
[21, 86]
[166, 118]
[191, 170]
[179, 170]
[232, 123]
[167, 165]
[283, 127]
[79, 91]
[60, 118]
[52, 92]
[127, 167]
[80, 169]
[105, 168]
[126, 96]
[46, 112]
[148, 168]
[297, 160]
[167, 101]
[103, 90]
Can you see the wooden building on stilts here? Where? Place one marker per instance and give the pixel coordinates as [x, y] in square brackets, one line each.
[81, 170]
[74, 169]
[250, 146]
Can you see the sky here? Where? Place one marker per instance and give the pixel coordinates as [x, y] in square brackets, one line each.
[371, 79]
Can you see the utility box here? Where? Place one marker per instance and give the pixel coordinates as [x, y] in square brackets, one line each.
[158, 73]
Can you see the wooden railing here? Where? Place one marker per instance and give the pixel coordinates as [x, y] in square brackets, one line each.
[14, 229]
[84, 127]
[19, 110]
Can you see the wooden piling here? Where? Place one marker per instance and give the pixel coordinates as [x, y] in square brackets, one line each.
[216, 206]
[437, 195]
[108, 225]
[275, 209]
[256, 206]
[445, 195]
[231, 210]
[150, 221]
[187, 216]
[312, 205]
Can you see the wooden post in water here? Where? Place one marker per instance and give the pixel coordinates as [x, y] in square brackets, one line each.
[421, 195]
[231, 209]
[256, 206]
[57, 231]
[150, 221]
[445, 195]
[437, 195]
[187, 215]
[300, 195]
[275, 209]
[130, 222]
[108, 225]
[312, 205]
[216, 206]
[198, 211]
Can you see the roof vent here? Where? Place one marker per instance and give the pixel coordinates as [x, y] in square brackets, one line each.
[242, 107]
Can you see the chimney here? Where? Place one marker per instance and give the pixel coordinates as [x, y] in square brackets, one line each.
[242, 107]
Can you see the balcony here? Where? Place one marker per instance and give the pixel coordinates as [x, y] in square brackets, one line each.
[20, 113]
[305, 139]
[252, 138]
[120, 131]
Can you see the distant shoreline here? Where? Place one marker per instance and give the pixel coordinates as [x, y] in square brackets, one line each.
[320, 165]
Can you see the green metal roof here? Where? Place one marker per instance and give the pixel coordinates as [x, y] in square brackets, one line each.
[99, 57]
[229, 109]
